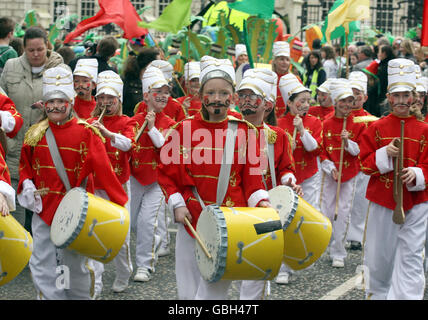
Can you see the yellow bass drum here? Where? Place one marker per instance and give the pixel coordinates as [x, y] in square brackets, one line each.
[90, 225]
[307, 231]
[16, 247]
[245, 243]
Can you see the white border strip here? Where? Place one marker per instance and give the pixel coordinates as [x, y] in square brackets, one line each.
[341, 290]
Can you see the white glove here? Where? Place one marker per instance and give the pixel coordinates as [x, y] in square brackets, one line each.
[27, 199]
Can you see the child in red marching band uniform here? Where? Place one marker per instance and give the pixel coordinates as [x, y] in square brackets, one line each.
[11, 122]
[117, 130]
[398, 272]
[85, 76]
[191, 102]
[83, 154]
[335, 135]
[354, 236]
[307, 132]
[281, 66]
[245, 189]
[253, 87]
[148, 210]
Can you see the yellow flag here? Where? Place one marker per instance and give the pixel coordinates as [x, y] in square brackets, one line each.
[346, 12]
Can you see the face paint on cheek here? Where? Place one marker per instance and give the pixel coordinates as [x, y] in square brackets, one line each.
[205, 100]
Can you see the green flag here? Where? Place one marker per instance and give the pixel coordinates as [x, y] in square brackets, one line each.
[261, 8]
[174, 17]
[344, 18]
[53, 33]
[30, 18]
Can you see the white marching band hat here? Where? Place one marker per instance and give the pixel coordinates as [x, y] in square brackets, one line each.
[240, 49]
[192, 70]
[87, 68]
[166, 68]
[340, 89]
[325, 86]
[58, 84]
[420, 81]
[401, 75]
[358, 80]
[281, 48]
[260, 81]
[274, 92]
[289, 85]
[216, 68]
[109, 82]
[153, 78]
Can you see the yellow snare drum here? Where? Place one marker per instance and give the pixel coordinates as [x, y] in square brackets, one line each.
[90, 225]
[16, 247]
[307, 232]
[245, 243]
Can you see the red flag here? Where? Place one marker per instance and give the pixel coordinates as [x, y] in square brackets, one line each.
[424, 35]
[120, 12]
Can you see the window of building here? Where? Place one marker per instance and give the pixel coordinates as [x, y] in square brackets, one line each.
[60, 9]
[163, 4]
[138, 4]
[87, 9]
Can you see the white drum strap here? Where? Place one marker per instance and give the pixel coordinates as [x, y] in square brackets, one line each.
[226, 164]
[271, 159]
[59, 165]
[56, 157]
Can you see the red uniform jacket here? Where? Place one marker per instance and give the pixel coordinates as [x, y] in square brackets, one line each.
[321, 113]
[305, 162]
[195, 148]
[82, 152]
[283, 154]
[379, 134]
[332, 128]
[84, 108]
[195, 105]
[119, 159]
[6, 104]
[145, 157]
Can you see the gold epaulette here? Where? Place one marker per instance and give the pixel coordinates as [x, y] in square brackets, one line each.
[136, 107]
[249, 124]
[271, 135]
[290, 138]
[95, 130]
[36, 132]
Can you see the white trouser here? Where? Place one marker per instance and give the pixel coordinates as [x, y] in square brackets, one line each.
[76, 281]
[122, 261]
[312, 190]
[163, 223]
[328, 207]
[360, 205]
[147, 205]
[394, 253]
[191, 285]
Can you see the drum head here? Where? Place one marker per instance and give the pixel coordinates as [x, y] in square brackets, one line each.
[212, 230]
[69, 217]
[284, 200]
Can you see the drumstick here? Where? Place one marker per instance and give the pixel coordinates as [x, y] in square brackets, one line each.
[339, 178]
[140, 132]
[102, 114]
[294, 137]
[204, 248]
[42, 191]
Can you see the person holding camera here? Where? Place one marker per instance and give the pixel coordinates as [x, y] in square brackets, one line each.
[105, 49]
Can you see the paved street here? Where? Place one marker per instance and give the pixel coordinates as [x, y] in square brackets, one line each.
[314, 283]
